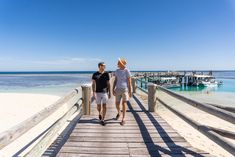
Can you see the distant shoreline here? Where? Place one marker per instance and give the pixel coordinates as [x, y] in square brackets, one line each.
[89, 72]
[45, 72]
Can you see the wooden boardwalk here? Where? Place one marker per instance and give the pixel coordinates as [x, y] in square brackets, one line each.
[144, 134]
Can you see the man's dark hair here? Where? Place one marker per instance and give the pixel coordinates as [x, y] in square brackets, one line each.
[100, 64]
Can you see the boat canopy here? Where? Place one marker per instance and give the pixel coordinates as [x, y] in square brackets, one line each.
[168, 78]
[203, 76]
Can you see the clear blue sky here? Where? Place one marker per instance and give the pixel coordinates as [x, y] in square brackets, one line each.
[150, 34]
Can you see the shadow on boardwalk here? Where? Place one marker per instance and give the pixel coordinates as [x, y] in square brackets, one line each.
[154, 149]
[146, 143]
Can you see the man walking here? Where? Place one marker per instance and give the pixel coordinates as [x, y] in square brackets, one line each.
[122, 88]
[101, 90]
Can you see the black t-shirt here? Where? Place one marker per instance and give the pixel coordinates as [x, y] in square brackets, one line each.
[101, 81]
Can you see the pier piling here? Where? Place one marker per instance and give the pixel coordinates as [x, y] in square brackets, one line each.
[152, 97]
[86, 96]
[133, 82]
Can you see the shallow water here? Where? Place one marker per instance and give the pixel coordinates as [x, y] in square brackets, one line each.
[58, 84]
[227, 86]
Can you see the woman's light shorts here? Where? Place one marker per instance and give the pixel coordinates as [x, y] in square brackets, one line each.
[121, 94]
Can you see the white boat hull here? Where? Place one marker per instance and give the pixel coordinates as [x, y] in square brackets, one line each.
[209, 84]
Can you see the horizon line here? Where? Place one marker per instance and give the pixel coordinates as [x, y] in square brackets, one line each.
[106, 70]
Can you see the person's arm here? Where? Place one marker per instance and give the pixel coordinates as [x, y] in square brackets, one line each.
[93, 87]
[114, 85]
[108, 87]
[129, 83]
[129, 87]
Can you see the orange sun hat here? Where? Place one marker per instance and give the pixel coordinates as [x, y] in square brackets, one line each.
[122, 61]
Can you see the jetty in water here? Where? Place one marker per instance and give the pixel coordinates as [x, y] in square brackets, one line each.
[177, 79]
[78, 132]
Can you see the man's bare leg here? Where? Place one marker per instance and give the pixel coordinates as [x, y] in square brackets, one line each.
[103, 111]
[99, 110]
[118, 109]
[123, 112]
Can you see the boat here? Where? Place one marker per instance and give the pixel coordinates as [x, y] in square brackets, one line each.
[203, 80]
[211, 83]
[170, 82]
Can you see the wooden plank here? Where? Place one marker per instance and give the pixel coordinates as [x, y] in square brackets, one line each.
[165, 144]
[126, 125]
[153, 135]
[185, 155]
[124, 145]
[131, 119]
[128, 122]
[175, 155]
[224, 133]
[160, 151]
[96, 144]
[127, 119]
[90, 150]
[62, 154]
[117, 123]
[124, 140]
[123, 135]
[128, 116]
[111, 131]
[118, 127]
[227, 108]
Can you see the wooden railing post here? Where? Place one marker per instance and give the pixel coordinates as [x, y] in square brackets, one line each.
[86, 97]
[133, 81]
[152, 97]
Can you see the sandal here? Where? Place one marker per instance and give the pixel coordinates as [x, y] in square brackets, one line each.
[103, 123]
[122, 123]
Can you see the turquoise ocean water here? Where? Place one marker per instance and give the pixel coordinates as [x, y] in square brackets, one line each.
[227, 86]
[59, 83]
[228, 78]
[55, 83]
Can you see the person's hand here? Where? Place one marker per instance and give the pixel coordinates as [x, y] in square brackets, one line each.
[114, 93]
[130, 94]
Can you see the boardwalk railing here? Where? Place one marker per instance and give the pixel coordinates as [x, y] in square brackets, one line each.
[141, 84]
[215, 134]
[77, 103]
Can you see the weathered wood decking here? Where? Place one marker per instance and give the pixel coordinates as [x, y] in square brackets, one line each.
[144, 134]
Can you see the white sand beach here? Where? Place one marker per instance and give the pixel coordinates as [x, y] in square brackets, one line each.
[16, 108]
[194, 137]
